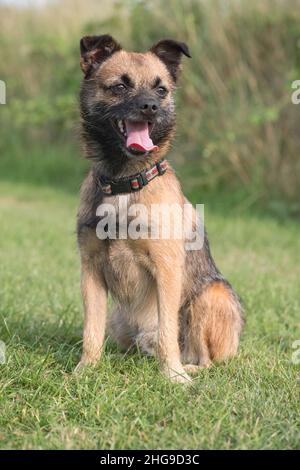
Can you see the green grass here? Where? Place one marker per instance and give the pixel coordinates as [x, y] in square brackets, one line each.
[250, 402]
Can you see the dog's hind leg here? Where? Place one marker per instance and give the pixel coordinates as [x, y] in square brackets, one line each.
[214, 326]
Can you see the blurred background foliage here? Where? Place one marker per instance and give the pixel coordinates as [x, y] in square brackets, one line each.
[237, 139]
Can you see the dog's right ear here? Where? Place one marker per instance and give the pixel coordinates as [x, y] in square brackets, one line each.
[94, 50]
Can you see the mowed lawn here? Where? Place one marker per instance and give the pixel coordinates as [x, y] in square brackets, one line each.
[250, 402]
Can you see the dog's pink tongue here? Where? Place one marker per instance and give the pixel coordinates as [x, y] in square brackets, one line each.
[138, 136]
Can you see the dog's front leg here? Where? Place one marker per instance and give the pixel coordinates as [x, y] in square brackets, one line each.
[169, 285]
[94, 294]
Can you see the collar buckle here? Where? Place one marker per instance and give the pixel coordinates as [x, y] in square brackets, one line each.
[142, 179]
[161, 170]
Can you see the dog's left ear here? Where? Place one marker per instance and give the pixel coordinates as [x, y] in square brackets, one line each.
[95, 49]
[170, 52]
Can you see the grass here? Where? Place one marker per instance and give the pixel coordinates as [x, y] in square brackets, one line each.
[250, 402]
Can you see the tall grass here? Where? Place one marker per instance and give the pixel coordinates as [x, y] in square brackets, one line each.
[237, 125]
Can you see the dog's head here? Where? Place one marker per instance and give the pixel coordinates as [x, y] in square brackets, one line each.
[127, 106]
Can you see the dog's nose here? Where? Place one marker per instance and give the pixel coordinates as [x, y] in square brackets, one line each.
[148, 108]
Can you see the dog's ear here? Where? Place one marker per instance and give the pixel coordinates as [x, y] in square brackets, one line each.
[95, 49]
[170, 52]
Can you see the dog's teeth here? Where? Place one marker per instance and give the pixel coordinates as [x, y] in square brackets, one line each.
[121, 127]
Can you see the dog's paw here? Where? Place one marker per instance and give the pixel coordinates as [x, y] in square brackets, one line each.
[80, 367]
[177, 375]
[84, 364]
[194, 368]
[181, 379]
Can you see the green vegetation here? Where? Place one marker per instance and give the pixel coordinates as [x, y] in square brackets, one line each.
[237, 125]
[236, 151]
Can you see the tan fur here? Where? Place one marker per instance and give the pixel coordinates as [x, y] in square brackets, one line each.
[148, 278]
[94, 294]
[215, 326]
[143, 68]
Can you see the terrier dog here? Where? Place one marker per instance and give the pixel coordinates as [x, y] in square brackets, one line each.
[170, 302]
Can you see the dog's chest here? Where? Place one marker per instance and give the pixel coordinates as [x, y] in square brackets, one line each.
[127, 270]
[125, 263]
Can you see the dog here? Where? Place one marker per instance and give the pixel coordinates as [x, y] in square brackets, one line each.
[170, 302]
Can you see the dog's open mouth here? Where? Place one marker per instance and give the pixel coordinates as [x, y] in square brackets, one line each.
[136, 135]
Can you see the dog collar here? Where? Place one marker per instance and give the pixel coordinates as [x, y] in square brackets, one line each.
[132, 183]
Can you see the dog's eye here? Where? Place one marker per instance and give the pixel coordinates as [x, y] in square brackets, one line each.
[162, 91]
[118, 89]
